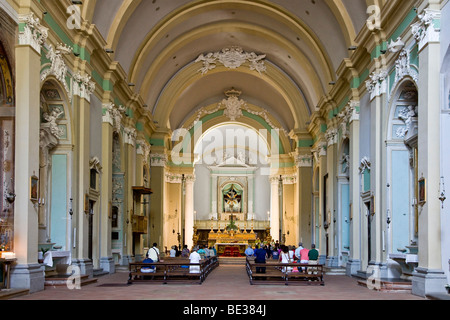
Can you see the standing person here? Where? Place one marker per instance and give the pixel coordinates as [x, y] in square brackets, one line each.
[194, 257]
[153, 252]
[260, 257]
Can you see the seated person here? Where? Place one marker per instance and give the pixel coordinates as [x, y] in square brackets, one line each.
[249, 252]
[194, 257]
[261, 255]
[150, 269]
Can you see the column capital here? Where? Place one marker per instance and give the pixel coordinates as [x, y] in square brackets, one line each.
[304, 160]
[426, 29]
[83, 86]
[158, 160]
[129, 136]
[31, 32]
[377, 85]
[143, 149]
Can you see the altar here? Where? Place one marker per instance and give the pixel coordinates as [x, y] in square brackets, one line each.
[231, 249]
[231, 243]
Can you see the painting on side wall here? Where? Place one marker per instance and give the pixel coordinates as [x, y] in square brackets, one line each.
[422, 192]
[34, 187]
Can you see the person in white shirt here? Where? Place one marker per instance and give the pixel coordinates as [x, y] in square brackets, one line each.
[173, 251]
[297, 251]
[153, 253]
[194, 257]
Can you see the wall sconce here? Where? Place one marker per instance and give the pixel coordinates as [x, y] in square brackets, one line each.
[442, 197]
[10, 195]
[70, 207]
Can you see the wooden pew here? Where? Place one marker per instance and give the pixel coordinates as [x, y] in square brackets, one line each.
[172, 270]
[276, 273]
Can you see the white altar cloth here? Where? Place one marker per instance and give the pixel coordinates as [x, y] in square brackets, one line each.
[64, 256]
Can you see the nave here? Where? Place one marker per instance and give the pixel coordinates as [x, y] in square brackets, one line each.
[227, 282]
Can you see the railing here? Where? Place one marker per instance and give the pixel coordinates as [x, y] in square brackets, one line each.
[172, 270]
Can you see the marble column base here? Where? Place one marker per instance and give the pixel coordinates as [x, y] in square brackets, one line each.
[86, 266]
[332, 262]
[126, 260]
[428, 281]
[27, 276]
[353, 265]
[107, 264]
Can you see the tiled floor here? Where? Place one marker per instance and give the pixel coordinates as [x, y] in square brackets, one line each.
[226, 282]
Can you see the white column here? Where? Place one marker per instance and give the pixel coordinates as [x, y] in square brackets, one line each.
[214, 196]
[429, 276]
[27, 273]
[275, 208]
[189, 211]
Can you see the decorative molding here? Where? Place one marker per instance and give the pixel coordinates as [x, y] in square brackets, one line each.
[233, 110]
[58, 66]
[232, 58]
[396, 46]
[364, 164]
[347, 116]
[289, 179]
[377, 85]
[403, 67]
[332, 136]
[143, 148]
[233, 105]
[113, 115]
[174, 178]
[319, 151]
[129, 136]
[407, 116]
[158, 159]
[425, 30]
[304, 160]
[33, 34]
[83, 86]
[52, 124]
[94, 163]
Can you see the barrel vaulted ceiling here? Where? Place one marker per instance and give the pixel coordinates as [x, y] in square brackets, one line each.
[157, 43]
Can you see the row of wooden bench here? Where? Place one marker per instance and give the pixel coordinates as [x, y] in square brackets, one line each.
[273, 272]
[181, 270]
[171, 270]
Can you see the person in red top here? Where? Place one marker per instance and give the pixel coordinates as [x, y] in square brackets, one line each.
[304, 259]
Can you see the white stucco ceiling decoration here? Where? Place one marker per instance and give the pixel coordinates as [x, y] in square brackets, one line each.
[232, 58]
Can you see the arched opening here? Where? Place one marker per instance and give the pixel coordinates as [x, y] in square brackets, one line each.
[7, 129]
[54, 169]
[402, 172]
[232, 186]
[344, 202]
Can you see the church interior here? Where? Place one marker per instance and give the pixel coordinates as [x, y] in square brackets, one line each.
[225, 124]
